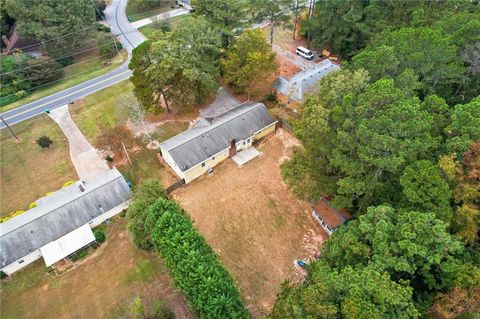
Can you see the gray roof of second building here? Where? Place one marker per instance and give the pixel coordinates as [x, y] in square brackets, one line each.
[304, 81]
[199, 143]
[59, 214]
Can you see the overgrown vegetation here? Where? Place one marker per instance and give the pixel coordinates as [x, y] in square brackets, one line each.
[156, 222]
[393, 137]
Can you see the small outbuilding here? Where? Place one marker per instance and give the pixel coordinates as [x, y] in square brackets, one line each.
[212, 140]
[61, 223]
[328, 217]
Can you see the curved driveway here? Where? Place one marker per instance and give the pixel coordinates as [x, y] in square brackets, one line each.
[126, 34]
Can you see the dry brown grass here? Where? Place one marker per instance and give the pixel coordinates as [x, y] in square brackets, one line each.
[253, 221]
[102, 287]
[28, 172]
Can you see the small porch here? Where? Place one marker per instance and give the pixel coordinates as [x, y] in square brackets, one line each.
[245, 155]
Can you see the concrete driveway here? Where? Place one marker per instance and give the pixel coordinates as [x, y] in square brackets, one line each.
[87, 160]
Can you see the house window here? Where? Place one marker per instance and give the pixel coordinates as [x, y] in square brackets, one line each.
[21, 261]
[203, 164]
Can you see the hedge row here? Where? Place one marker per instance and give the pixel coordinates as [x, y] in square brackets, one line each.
[195, 267]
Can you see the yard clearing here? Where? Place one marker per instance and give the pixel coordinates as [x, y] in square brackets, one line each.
[28, 172]
[255, 224]
[104, 286]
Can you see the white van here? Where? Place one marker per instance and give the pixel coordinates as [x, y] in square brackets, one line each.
[304, 52]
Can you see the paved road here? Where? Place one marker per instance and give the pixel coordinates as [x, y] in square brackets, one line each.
[127, 35]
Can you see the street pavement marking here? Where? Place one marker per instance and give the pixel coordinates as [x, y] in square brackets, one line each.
[64, 96]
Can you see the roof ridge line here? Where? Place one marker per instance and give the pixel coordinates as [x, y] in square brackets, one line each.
[211, 127]
[60, 206]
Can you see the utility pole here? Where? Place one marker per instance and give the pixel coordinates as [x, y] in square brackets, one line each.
[9, 129]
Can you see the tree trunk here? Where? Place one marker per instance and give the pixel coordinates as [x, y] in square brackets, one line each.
[310, 14]
[166, 101]
[296, 19]
[272, 23]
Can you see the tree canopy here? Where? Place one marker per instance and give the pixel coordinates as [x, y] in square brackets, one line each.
[250, 64]
[61, 25]
[181, 65]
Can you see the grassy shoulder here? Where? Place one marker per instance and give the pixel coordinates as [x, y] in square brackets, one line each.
[28, 172]
[86, 67]
[136, 12]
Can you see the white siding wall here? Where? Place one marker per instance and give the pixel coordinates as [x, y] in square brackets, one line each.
[16, 266]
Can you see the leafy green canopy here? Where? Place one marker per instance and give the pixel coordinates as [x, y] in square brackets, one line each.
[60, 23]
[429, 53]
[376, 267]
[348, 25]
[182, 66]
[427, 190]
[360, 143]
[144, 195]
[229, 16]
[250, 63]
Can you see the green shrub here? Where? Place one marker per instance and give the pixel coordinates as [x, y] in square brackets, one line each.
[195, 267]
[102, 28]
[99, 236]
[44, 141]
[144, 195]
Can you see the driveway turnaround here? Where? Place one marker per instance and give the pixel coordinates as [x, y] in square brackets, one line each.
[87, 160]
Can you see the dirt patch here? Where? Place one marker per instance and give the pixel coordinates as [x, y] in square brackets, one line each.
[103, 287]
[254, 222]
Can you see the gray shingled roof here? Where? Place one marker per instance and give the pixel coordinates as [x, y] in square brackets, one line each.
[304, 81]
[199, 143]
[60, 213]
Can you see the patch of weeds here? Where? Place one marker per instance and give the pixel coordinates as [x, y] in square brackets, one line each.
[279, 219]
[144, 271]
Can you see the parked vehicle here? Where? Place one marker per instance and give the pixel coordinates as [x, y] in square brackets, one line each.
[305, 53]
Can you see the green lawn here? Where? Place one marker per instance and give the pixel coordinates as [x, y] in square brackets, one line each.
[149, 28]
[135, 12]
[97, 113]
[75, 74]
[28, 172]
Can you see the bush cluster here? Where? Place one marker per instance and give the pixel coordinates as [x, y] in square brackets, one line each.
[160, 224]
[194, 265]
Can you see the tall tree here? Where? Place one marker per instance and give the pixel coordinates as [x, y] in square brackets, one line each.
[426, 189]
[60, 24]
[227, 15]
[250, 64]
[365, 141]
[182, 66]
[464, 127]
[349, 293]
[430, 54]
[276, 12]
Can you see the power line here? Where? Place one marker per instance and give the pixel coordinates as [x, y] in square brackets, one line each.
[68, 77]
[62, 57]
[53, 71]
[56, 38]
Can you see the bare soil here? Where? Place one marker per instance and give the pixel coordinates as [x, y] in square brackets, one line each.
[255, 224]
[104, 286]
